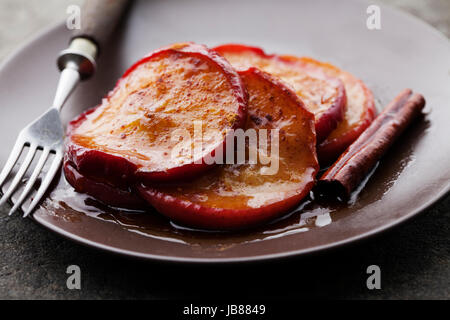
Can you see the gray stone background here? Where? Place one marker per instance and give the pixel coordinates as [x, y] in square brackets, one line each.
[414, 258]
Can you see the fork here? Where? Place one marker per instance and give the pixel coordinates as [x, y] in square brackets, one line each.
[77, 63]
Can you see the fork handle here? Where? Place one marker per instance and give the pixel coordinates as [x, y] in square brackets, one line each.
[98, 20]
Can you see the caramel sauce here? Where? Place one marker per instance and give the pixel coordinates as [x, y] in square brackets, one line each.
[65, 203]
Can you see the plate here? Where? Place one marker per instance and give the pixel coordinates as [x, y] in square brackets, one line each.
[405, 52]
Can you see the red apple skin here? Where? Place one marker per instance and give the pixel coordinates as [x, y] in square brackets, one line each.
[329, 150]
[120, 171]
[359, 113]
[110, 195]
[211, 217]
[329, 120]
[208, 218]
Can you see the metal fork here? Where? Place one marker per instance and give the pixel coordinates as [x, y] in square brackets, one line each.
[46, 133]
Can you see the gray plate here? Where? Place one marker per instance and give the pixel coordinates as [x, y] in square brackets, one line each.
[404, 53]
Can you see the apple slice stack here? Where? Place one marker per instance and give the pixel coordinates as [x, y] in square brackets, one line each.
[166, 135]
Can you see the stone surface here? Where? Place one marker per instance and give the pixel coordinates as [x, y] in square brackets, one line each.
[414, 258]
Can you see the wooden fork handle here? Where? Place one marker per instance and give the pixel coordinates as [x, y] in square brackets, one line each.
[98, 20]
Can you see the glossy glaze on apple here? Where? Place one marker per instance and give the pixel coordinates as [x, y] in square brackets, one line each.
[102, 190]
[324, 96]
[129, 136]
[238, 196]
[359, 113]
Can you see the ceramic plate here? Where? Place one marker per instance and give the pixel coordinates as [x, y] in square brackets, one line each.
[405, 52]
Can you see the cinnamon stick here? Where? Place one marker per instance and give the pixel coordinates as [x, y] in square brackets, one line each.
[362, 155]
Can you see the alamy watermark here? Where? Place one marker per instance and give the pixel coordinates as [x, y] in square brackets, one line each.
[74, 280]
[373, 21]
[73, 22]
[250, 146]
[374, 280]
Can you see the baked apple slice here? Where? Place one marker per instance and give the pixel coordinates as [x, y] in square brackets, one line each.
[358, 116]
[112, 195]
[130, 135]
[324, 96]
[235, 196]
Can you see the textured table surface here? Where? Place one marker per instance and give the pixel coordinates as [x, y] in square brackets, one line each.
[414, 258]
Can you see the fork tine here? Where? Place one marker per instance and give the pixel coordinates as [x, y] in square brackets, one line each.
[45, 183]
[23, 168]
[31, 181]
[13, 156]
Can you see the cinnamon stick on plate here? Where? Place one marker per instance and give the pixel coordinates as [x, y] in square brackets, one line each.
[362, 155]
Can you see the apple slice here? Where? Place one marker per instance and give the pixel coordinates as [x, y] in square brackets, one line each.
[235, 196]
[121, 197]
[358, 116]
[130, 135]
[324, 96]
